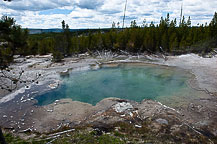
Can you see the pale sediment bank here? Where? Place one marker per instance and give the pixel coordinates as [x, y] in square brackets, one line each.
[204, 69]
[200, 113]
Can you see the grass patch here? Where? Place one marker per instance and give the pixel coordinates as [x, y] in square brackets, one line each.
[10, 139]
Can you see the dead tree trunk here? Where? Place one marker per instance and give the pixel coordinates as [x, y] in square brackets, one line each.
[2, 139]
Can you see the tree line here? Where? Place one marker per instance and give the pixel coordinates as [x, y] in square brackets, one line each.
[169, 36]
[13, 40]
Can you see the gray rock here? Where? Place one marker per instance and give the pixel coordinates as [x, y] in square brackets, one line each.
[162, 121]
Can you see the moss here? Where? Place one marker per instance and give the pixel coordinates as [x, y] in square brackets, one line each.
[117, 134]
[10, 139]
[107, 139]
[87, 138]
[13, 140]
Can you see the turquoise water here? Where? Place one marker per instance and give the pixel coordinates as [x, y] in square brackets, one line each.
[127, 81]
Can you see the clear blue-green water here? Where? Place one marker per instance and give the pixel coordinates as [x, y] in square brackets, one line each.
[127, 81]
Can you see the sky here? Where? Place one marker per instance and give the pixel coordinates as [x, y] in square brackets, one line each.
[46, 14]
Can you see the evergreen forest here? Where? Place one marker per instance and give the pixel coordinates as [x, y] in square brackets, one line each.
[171, 37]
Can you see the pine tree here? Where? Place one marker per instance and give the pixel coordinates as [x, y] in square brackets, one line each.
[173, 41]
[144, 24]
[189, 22]
[133, 24]
[165, 42]
[213, 26]
[16, 39]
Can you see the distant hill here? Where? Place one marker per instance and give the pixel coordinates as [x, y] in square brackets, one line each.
[39, 31]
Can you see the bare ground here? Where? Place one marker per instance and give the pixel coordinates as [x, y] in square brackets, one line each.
[200, 115]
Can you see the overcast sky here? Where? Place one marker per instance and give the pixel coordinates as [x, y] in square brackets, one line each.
[101, 13]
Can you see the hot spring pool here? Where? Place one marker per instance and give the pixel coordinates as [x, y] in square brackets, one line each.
[126, 81]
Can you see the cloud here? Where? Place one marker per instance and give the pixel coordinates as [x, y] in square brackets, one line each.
[101, 13]
[35, 5]
[86, 4]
